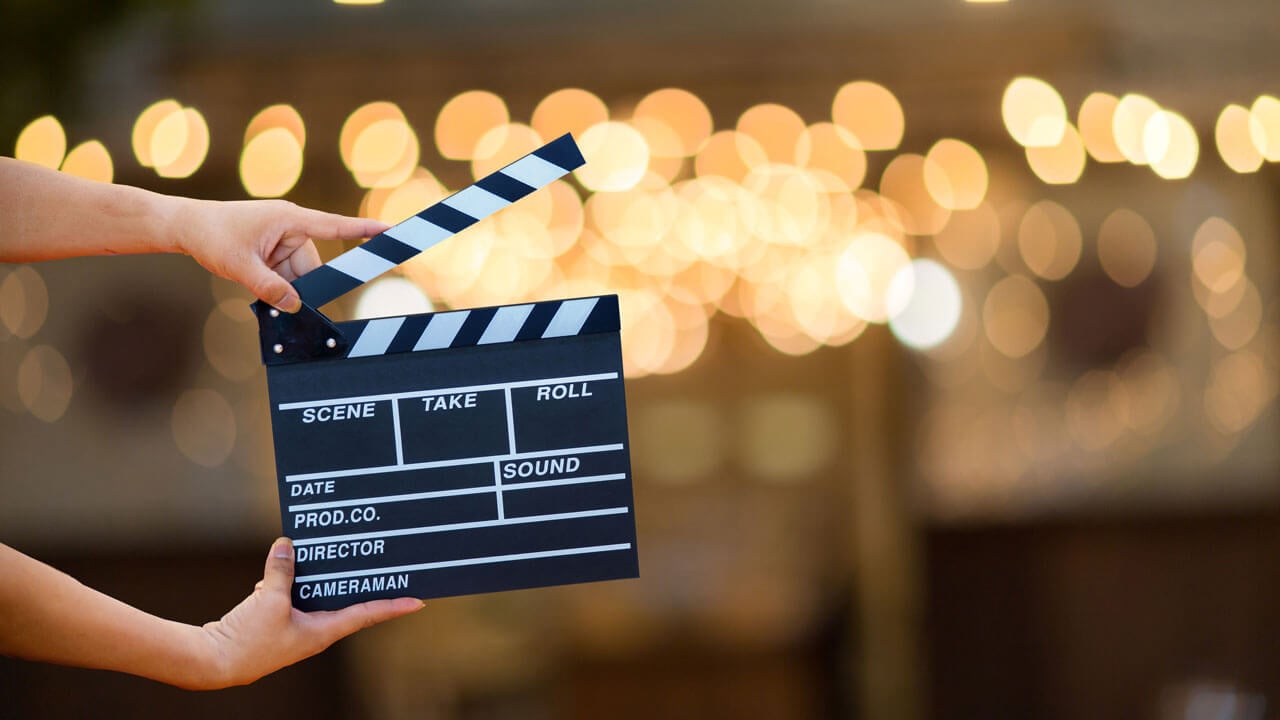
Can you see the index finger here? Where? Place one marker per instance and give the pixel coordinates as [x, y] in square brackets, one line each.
[336, 624]
[329, 226]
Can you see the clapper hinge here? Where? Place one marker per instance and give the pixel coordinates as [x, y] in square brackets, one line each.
[297, 337]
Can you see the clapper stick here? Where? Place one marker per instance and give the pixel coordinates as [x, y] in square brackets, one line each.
[440, 221]
[308, 334]
[448, 453]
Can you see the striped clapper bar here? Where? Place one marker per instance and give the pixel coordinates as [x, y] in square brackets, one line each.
[454, 452]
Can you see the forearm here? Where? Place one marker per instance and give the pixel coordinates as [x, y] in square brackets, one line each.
[46, 615]
[50, 215]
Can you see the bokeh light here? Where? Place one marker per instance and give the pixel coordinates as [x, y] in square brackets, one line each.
[384, 153]
[933, 308]
[1060, 164]
[833, 155]
[569, 110]
[1218, 255]
[1129, 123]
[1220, 304]
[871, 112]
[271, 163]
[391, 296]
[43, 142]
[410, 197]
[24, 301]
[729, 154]
[180, 143]
[1049, 240]
[169, 139]
[776, 128]
[1237, 392]
[502, 146]
[955, 175]
[864, 272]
[681, 111]
[378, 146]
[45, 383]
[144, 128]
[90, 160]
[617, 156]
[204, 427]
[1235, 329]
[648, 331]
[1033, 113]
[1126, 247]
[1265, 127]
[231, 340]
[1096, 126]
[905, 182]
[971, 237]
[1170, 145]
[465, 119]
[791, 204]
[1233, 135]
[1015, 316]
[277, 116]
[665, 148]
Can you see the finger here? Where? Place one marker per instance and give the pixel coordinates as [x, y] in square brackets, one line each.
[302, 261]
[270, 287]
[341, 623]
[328, 226]
[277, 576]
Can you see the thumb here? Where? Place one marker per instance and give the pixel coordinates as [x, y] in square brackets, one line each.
[277, 576]
[268, 286]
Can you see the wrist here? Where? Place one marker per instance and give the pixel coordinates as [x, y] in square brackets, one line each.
[198, 664]
[171, 220]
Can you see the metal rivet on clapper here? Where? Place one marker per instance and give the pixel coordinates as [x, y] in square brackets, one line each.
[277, 348]
[274, 312]
[331, 343]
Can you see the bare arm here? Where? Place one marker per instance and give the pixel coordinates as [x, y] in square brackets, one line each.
[46, 615]
[261, 244]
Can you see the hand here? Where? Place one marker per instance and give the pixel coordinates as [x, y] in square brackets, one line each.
[263, 244]
[265, 633]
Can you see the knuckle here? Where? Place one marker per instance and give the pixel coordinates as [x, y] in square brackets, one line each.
[266, 288]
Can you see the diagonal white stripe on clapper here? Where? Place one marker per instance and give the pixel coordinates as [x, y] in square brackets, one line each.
[418, 233]
[570, 317]
[533, 171]
[476, 202]
[506, 323]
[441, 330]
[376, 337]
[361, 264]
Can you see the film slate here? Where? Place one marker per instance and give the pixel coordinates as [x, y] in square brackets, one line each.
[455, 452]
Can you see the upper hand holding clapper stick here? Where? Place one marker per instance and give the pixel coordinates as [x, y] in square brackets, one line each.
[454, 452]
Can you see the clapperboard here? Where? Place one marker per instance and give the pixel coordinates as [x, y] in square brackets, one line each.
[454, 452]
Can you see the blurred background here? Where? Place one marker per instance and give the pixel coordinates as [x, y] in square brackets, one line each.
[952, 334]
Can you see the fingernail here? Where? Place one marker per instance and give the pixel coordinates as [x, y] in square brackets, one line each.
[283, 549]
[424, 603]
[290, 304]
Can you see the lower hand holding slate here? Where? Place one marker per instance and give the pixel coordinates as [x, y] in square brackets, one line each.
[47, 615]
